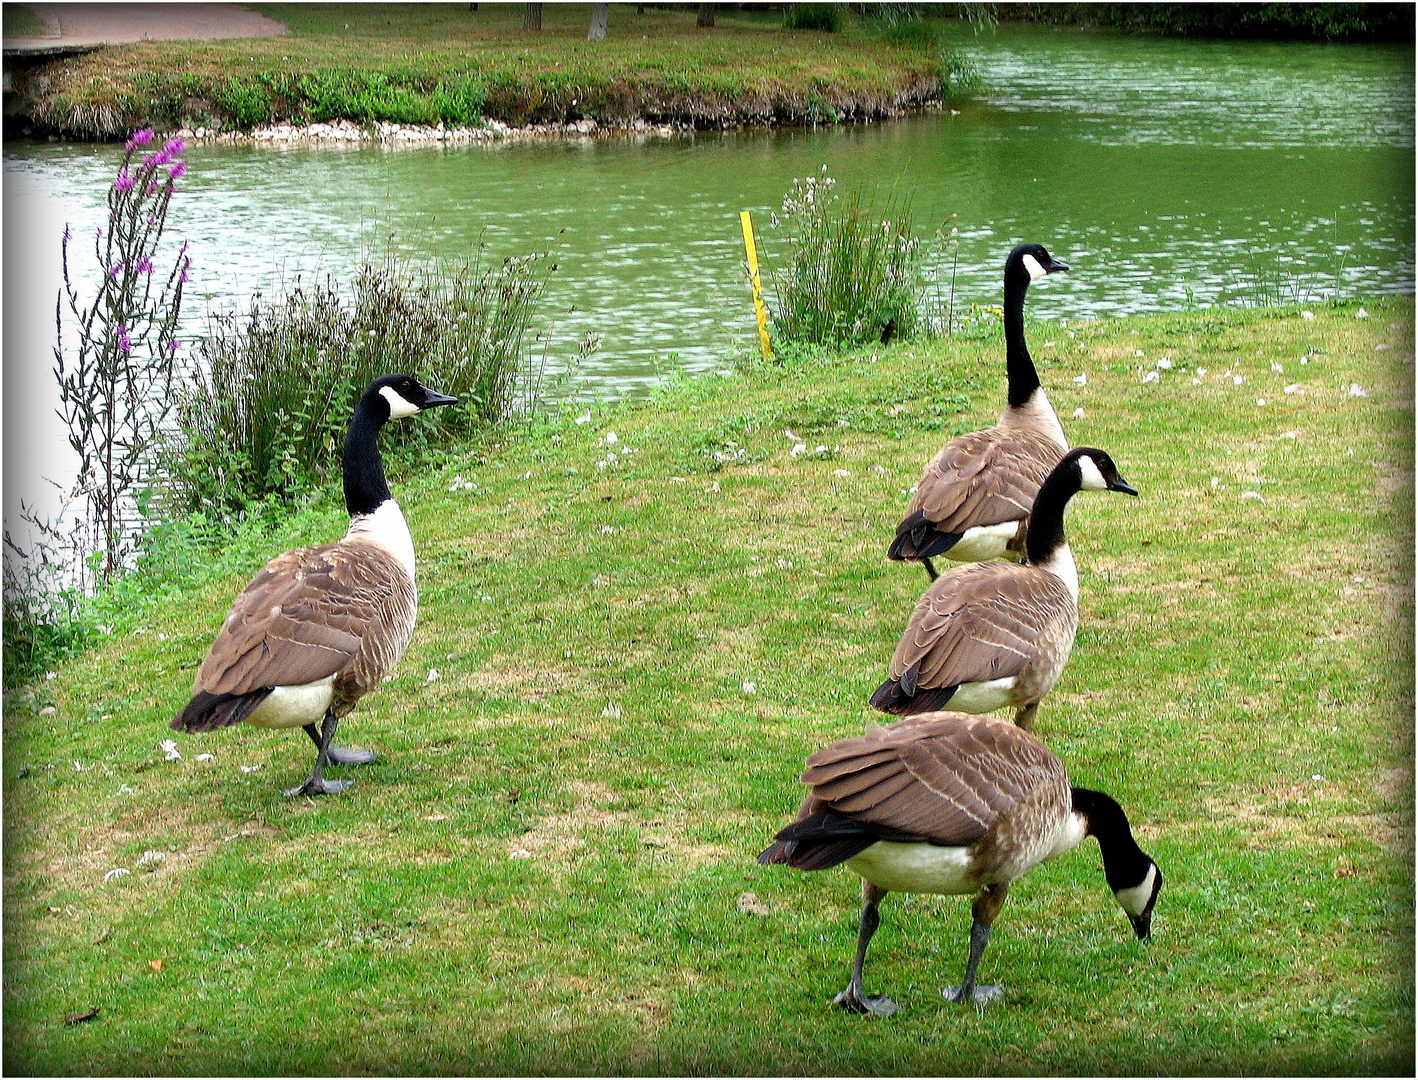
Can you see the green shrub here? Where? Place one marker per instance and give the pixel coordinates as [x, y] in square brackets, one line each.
[824, 17]
[264, 412]
[849, 270]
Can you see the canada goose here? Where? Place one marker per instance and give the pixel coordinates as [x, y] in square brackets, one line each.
[321, 626]
[954, 804]
[993, 634]
[971, 502]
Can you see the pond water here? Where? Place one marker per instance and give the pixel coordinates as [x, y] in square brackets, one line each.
[1165, 172]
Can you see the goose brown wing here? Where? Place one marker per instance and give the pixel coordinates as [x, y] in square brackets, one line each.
[304, 617]
[984, 478]
[981, 622]
[943, 777]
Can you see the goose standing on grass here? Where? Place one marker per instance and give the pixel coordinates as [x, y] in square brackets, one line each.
[972, 500]
[953, 804]
[322, 626]
[993, 634]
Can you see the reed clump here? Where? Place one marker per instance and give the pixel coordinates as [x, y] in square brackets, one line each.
[850, 273]
[263, 412]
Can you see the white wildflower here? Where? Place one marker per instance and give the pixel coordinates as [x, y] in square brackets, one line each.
[433, 675]
[1151, 376]
[797, 449]
[1078, 413]
[841, 473]
[1201, 371]
[611, 438]
[1277, 368]
[170, 751]
[1139, 353]
[749, 686]
[584, 418]
[1238, 379]
[1361, 314]
[1082, 380]
[1260, 401]
[612, 711]
[1355, 390]
[1307, 315]
[1165, 363]
[249, 768]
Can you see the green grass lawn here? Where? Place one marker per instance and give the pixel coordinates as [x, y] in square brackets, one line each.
[634, 655]
[424, 63]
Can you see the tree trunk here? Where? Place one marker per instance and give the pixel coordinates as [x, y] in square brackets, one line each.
[706, 15]
[532, 20]
[599, 14]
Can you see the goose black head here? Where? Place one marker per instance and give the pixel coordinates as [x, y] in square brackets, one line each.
[1033, 260]
[405, 395]
[1139, 900]
[1097, 471]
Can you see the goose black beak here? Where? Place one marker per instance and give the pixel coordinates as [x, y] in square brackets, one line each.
[1056, 264]
[435, 398]
[1141, 926]
[1122, 485]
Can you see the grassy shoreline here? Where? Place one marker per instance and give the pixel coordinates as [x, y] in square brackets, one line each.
[428, 64]
[635, 653]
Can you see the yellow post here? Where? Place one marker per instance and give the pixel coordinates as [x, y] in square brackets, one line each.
[752, 251]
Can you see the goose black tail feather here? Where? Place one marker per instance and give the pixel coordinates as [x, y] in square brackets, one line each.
[207, 712]
[891, 698]
[826, 839]
[918, 538]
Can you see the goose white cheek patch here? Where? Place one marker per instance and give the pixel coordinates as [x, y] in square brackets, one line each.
[398, 406]
[1035, 268]
[1092, 478]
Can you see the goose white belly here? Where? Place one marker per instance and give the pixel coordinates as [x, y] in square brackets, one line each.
[983, 542]
[295, 706]
[917, 868]
[983, 697]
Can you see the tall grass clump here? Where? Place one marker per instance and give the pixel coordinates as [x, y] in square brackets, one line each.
[264, 412]
[850, 273]
[826, 18]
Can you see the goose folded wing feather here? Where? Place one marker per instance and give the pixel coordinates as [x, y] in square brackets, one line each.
[271, 639]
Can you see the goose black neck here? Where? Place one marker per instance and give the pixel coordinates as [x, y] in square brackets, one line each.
[1125, 865]
[1019, 366]
[365, 486]
[1046, 531]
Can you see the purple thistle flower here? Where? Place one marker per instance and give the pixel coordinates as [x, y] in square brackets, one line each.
[175, 146]
[140, 138]
[174, 345]
[177, 171]
[186, 266]
[162, 157]
[145, 265]
[115, 269]
[124, 182]
[124, 342]
[67, 235]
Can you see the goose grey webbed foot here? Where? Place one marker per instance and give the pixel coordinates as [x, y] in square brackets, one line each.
[979, 995]
[318, 786]
[854, 1001]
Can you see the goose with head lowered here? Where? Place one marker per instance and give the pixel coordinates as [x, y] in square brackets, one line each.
[972, 501]
[322, 626]
[997, 634]
[953, 804]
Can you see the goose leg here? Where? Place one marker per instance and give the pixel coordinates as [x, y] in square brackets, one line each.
[338, 755]
[1025, 717]
[854, 998]
[982, 913]
[316, 784]
[930, 569]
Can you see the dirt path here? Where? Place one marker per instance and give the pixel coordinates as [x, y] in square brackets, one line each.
[99, 24]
